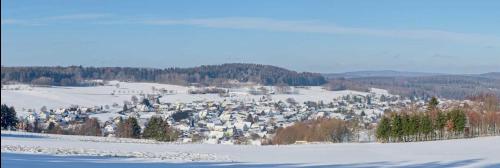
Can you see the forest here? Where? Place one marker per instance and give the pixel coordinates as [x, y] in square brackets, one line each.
[215, 75]
[442, 86]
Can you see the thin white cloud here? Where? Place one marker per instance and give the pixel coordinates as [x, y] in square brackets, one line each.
[55, 19]
[20, 22]
[321, 27]
[82, 16]
[267, 24]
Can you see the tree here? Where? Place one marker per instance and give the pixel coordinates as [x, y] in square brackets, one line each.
[440, 123]
[180, 115]
[136, 129]
[158, 129]
[322, 129]
[250, 118]
[153, 129]
[415, 126]
[8, 117]
[407, 126]
[291, 101]
[492, 119]
[34, 127]
[396, 127]
[426, 126]
[129, 128]
[459, 120]
[43, 109]
[432, 112]
[146, 102]
[134, 99]
[282, 88]
[53, 128]
[90, 127]
[383, 129]
[474, 123]
[432, 104]
[125, 108]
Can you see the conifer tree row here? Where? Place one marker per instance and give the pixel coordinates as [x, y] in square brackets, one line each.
[421, 127]
[434, 124]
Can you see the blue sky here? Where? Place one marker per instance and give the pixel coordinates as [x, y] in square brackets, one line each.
[447, 36]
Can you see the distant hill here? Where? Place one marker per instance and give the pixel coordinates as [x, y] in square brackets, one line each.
[401, 83]
[204, 75]
[493, 75]
[384, 73]
[445, 86]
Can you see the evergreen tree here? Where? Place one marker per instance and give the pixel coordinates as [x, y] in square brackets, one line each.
[396, 127]
[407, 126]
[363, 113]
[459, 119]
[383, 129]
[154, 129]
[8, 117]
[250, 118]
[146, 102]
[432, 104]
[426, 126]
[415, 126]
[51, 127]
[129, 128]
[134, 127]
[125, 108]
[440, 123]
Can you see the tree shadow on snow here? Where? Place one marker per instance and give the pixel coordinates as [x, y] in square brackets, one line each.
[493, 166]
[7, 135]
[12, 160]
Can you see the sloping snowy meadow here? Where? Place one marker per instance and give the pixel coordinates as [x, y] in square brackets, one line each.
[63, 97]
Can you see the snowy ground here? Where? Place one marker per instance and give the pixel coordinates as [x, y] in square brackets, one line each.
[62, 97]
[78, 151]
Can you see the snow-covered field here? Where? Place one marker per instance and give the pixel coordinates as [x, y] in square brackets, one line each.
[28, 97]
[27, 149]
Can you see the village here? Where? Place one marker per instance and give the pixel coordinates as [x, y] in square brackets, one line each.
[229, 119]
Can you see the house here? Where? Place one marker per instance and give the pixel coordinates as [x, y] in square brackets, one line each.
[70, 117]
[109, 129]
[60, 111]
[43, 115]
[242, 125]
[31, 118]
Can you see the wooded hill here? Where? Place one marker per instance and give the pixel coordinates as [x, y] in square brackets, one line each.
[443, 86]
[204, 75]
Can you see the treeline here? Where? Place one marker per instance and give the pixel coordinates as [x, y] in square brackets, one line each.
[444, 86]
[344, 84]
[156, 129]
[435, 124]
[90, 127]
[318, 130]
[422, 127]
[217, 75]
[484, 120]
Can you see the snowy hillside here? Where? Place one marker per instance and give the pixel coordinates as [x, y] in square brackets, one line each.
[28, 97]
[476, 152]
